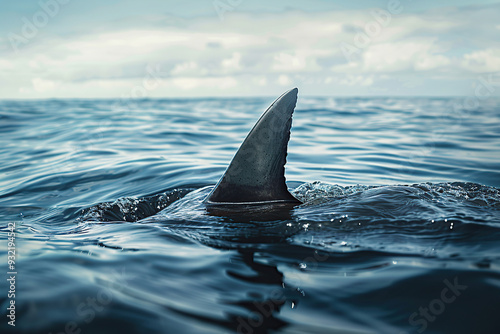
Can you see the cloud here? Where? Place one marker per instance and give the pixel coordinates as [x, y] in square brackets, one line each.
[186, 68]
[284, 80]
[487, 60]
[42, 85]
[409, 55]
[195, 82]
[354, 80]
[232, 63]
[260, 54]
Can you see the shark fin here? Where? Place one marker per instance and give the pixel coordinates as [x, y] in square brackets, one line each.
[257, 172]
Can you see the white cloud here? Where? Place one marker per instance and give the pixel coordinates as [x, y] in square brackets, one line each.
[487, 60]
[186, 68]
[42, 85]
[190, 83]
[5, 64]
[254, 53]
[186, 83]
[284, 80]
[355, 80]
[419, 55]
[430, 62]
[287, 62]
[261, 81]
[232, 63]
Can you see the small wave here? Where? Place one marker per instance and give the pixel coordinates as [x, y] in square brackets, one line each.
[132, 209]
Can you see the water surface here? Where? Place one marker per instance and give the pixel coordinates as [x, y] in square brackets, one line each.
[399, 231]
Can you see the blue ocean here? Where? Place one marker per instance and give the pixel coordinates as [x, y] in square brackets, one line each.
[399, 230]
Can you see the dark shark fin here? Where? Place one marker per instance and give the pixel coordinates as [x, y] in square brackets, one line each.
[257, 172]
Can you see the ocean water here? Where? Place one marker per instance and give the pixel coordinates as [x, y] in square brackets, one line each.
[399, 231]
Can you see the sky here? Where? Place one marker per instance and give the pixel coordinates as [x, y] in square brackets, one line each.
[218, 48]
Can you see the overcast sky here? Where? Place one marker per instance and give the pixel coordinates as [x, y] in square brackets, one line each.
[158, 48]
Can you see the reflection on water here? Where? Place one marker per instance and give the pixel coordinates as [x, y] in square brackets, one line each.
[113, 235]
